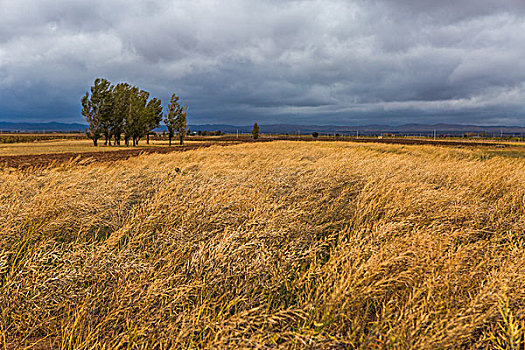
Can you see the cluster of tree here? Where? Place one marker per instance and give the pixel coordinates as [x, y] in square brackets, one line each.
[315, 134]
[115, 110]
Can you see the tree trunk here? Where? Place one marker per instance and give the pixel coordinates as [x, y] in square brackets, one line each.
[147, 139]
[170, 140]
[95, 141]
[126, 140]
[134, 142]
[181, 139]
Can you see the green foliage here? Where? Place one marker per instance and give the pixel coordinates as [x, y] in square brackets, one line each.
[153, 113]
[137, 117]
[121, 98]
[96, 108]
[113, 110]
[175, 119]
[255, 131]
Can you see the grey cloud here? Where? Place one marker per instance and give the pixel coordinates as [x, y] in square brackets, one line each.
[306, 61]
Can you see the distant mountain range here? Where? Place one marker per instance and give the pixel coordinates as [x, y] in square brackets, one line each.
[41, 127]
[412, 129]
[408, 129]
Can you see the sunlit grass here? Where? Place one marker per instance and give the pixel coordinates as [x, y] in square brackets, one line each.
[276, 245]
[62, 146]
[54, 146]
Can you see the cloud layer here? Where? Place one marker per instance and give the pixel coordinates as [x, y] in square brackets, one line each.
[236, 61]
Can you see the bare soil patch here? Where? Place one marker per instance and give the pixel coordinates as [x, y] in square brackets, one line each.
[50, 159]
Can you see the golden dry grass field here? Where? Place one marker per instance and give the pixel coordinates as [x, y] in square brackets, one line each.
[267, 245]
[50, 146]
[69, 146]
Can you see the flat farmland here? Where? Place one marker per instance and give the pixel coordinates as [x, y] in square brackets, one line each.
[48, 152]
[71, 146]
[7, 137]
[57, 152]
[50, 146]
[280, 244]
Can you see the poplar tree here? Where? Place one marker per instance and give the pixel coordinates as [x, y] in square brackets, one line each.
[153, 116]
[138, 115]
[255, 131]
[96, 108]
[107, 121]
[181, 123]
[175, 119]
[130, 116]
[121, 100]
[93, 131]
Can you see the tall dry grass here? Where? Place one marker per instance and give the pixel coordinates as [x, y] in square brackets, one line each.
[274, 245]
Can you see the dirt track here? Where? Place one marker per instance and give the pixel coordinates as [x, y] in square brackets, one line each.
[50, 159]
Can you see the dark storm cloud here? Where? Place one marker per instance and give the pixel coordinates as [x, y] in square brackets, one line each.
[311, 61]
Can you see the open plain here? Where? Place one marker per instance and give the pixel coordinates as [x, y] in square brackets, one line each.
[279, 244]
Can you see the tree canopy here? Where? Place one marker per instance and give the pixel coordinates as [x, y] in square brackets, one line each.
[113, 110]
[175, 119]
[255, 131]
[96, 108]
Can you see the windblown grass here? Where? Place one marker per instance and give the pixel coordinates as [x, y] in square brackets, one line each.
[278, 245]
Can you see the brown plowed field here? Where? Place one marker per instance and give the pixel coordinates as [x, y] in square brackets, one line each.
[50, 159]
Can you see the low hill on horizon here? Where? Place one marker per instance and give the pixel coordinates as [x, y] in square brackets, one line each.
[42, 127]
[409, 129]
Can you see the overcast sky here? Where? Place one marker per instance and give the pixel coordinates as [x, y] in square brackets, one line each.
[272, 61]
